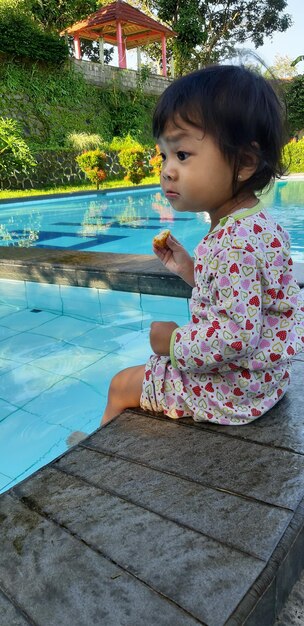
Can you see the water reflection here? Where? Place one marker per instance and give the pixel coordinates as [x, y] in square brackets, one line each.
[284, 193]
[161, 206]
[118, 222]
[285, 202]
[130, 215]
[93, 221]
[15, 233]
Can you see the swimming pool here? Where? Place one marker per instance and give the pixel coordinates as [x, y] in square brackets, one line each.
[126, 221]
[59, 348]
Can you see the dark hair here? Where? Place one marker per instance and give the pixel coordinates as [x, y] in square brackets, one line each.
[239, 109]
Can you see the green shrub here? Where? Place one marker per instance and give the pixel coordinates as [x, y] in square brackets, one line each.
[293, 155]
[14, 152]
[123, 143]
[84, 141]
[22, 37]
[132, 160]
[92, 163]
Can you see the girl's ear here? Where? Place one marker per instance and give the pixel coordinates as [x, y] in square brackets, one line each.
[249, 161]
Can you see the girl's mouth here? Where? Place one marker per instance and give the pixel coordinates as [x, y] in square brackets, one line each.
[171, 194]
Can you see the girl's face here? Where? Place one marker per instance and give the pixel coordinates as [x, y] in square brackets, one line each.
[195, 175]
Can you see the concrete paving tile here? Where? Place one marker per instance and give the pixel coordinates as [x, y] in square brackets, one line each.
[222, 516]
[292, 565]
[58, 579]
[283, 425]
[293, 612]
[9, 614]
[175, 561]
[271, 475]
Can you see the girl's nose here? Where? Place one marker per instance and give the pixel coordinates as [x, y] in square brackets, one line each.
[168, 173]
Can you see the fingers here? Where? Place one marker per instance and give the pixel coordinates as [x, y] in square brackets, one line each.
[160, 252]
[172, 239]
[171, 244]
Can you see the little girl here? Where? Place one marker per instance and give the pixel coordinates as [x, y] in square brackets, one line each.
[220, 135]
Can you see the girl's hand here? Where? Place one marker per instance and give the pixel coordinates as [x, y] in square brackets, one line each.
[160, 335]
[176, 259]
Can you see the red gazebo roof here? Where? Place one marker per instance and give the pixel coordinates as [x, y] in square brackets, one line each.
[138, 29]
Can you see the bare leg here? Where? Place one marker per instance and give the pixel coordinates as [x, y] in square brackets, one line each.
[124, 392]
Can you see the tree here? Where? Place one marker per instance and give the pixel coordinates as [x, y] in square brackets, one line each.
[22, 36]
[209, 30]
[57, 15]
[295, 103]
[14, 152]
[297, 60]
[54, 16]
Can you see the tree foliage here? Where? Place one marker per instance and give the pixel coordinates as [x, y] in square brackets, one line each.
[22, 36]
[295, 103]
[58, 14]
[14, 152]
[209, 30]
[55, 16]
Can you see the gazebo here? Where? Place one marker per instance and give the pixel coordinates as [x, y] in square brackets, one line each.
[121, 25]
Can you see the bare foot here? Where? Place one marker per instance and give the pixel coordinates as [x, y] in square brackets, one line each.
[75, 438]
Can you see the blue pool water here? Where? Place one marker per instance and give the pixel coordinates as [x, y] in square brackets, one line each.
[59, 348]
[126, 221]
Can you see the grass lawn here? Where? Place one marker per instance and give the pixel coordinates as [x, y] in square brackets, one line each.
[109, 184]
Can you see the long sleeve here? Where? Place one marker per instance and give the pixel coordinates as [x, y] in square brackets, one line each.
[226, 314]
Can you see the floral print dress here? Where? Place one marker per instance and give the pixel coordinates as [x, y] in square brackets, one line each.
[231, 363]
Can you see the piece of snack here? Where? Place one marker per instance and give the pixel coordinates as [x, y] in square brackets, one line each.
[160, 239]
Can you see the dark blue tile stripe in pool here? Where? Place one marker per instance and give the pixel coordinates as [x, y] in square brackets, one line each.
[137, 219]
[139, 225]
[95, 240]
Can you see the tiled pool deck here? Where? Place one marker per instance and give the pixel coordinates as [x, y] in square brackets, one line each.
[154, 521]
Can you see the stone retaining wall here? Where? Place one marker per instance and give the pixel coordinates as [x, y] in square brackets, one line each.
[55, 168]
[101, 76]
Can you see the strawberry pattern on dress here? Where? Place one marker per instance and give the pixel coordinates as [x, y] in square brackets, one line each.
[231, 363]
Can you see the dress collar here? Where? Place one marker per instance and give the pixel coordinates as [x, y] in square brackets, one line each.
[240, 214]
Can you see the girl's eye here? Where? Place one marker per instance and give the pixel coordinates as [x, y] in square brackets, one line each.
[182, 156]
[163, 156]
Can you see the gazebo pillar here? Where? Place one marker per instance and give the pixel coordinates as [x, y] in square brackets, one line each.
[121, 48]
[164, 55]
[138, 59]
[101, 51]
[77, 47]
